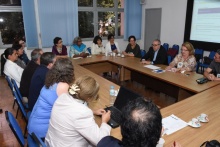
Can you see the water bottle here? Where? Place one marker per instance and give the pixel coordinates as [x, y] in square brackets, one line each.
[112, 95]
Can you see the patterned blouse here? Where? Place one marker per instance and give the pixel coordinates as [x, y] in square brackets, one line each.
[189, 64]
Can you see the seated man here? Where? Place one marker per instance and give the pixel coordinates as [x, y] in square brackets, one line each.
[213, 71]
[29, 71]
[141, 126]
[47, 61]
[156, 54]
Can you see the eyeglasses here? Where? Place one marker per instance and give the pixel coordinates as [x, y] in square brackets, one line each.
[155, 44]
[60, 42]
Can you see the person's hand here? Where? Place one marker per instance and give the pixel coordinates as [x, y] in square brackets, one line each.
[168, 68]
[175, 144]
[211, 77]
[175, 69]
[145, 62]
[106, 116]
[99, 112]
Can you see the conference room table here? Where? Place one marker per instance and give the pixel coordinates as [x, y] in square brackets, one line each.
[177, 85]
[207, 102]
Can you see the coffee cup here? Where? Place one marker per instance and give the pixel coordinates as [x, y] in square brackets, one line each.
[195, 122]
[203, 117]
[122, 55]
[113, 54]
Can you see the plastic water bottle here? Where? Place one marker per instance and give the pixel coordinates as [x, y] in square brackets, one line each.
[112, 95]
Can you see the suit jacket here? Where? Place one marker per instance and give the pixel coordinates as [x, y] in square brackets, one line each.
[109, 141]
[161, 56]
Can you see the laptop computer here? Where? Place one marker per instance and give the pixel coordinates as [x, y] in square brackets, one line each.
[124, 96]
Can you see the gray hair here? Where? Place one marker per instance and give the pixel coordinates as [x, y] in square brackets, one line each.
[35, 54]
[76, 39]
[218, 51]
[158, 40]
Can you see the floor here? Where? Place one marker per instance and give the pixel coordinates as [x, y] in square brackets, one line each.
[7, 138]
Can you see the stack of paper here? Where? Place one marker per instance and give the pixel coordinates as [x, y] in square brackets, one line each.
[172, 124]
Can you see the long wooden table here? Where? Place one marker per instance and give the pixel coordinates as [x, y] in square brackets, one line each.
[206, 101]
[177, 85]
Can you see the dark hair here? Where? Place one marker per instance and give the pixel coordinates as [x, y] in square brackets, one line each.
[47, 58]
[141, 124]
[16, 46]
[131, 37]
[8, 51]
[96, 39]
[110, 36]
[56, 40]
[218, 51]
[35, 54]
[62, 71]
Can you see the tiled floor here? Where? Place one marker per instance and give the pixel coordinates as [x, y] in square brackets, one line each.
[7, 138]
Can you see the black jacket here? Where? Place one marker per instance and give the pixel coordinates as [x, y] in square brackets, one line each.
[161, 56]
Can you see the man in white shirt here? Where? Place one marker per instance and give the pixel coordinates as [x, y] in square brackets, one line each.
[11, 69]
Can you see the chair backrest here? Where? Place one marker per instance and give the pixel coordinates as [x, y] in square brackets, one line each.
[17, 89]
[199, 54]
[89, 50]
[9, 82]
[143, 52]
[175, 46]
[20, 105]
[38, 140]
[166, 46]
[13, 124]
[212, 54]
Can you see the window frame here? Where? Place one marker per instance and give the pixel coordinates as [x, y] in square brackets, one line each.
[96, 10]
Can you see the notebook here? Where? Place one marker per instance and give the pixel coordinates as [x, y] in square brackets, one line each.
[124, 96]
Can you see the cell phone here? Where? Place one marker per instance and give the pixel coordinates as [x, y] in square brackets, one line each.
[202, 80]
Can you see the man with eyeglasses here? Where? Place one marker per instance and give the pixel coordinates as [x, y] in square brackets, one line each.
[156, 54]
[213, 71]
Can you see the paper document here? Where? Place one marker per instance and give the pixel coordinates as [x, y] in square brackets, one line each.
[172, 124]
[152, 66]
[77, 58]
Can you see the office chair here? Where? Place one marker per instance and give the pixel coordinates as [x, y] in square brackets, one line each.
[166, 46]
[38, 140]
[199, 57]
[204, 65]
[143, 52]
[11, 87]
[16, 129]
[89, 50]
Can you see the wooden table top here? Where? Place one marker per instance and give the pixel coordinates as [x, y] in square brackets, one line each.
[207, 102]
[132, 63]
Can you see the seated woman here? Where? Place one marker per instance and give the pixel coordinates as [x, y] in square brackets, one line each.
[11, 69]
[184, 61]
[78, 49]
[72, 122]
[111, 45]
[20, 51]
[133, 49]
[97, 47]
[57, 82]
[59, 49]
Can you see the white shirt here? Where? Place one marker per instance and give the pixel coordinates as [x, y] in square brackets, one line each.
[95, 49]
[108, 47]
[72, 124]
[14, 71]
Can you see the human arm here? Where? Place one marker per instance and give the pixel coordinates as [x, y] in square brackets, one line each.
[62, 88]
[118, 49]
[64, 50]
[87, 127]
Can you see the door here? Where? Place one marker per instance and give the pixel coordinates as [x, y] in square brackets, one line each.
[152, 26]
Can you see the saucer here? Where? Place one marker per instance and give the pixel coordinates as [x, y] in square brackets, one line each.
[194, 126]
[204, 121]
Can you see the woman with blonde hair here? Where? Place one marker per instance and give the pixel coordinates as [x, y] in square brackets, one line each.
[185, 61]
[72, 122]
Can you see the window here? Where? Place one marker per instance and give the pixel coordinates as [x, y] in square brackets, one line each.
[11, 21]
[100, 17]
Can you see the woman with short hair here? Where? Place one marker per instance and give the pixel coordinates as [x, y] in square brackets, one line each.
[78, 49]
[97, 47]
[59, 49]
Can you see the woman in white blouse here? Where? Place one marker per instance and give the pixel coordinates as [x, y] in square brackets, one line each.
[97, 47]
[111, 45]
[72, 122]
[11, 69]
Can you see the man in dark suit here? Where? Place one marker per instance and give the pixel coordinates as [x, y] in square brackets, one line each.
[156, 54]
